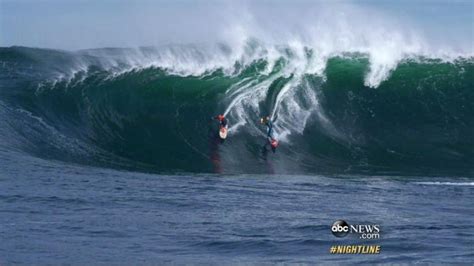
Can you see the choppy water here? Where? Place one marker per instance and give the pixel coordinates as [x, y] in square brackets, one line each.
[57, 213]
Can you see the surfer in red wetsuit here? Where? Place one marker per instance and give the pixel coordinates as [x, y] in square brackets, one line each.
[222, 120]
[222, 126]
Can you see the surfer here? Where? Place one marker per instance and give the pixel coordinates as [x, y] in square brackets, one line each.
[222, 126]
[271, 139]
[222, 120]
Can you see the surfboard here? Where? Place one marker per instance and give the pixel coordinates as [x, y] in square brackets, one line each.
[223, 133]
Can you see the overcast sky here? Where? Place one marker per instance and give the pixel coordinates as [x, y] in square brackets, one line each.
[78, 24]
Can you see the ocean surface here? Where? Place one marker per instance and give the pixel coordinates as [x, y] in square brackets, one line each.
[57, 213]
[110, 155]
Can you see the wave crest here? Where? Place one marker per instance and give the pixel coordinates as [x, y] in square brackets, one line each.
[126, 106]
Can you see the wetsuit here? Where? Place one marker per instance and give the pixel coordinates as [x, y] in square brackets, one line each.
[222, 122]
[269, 129]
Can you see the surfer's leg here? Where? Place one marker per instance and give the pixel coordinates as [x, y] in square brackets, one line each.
[270, 132]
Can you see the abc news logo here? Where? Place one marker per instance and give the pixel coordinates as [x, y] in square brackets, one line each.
[341, 228]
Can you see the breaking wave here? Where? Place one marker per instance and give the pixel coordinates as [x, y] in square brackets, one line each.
[344, 110]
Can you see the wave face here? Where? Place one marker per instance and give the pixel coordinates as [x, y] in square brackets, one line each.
[149, 109]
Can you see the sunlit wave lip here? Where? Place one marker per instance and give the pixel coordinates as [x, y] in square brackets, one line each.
[294, 58]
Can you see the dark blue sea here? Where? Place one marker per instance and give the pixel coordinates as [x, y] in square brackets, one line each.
[56, 213]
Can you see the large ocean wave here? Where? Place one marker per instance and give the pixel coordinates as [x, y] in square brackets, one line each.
[359, 110]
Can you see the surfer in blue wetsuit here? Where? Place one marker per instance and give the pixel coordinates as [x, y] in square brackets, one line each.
[266, 121]
[271, 139]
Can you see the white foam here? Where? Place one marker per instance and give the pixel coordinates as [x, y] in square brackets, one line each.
[320, 33]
